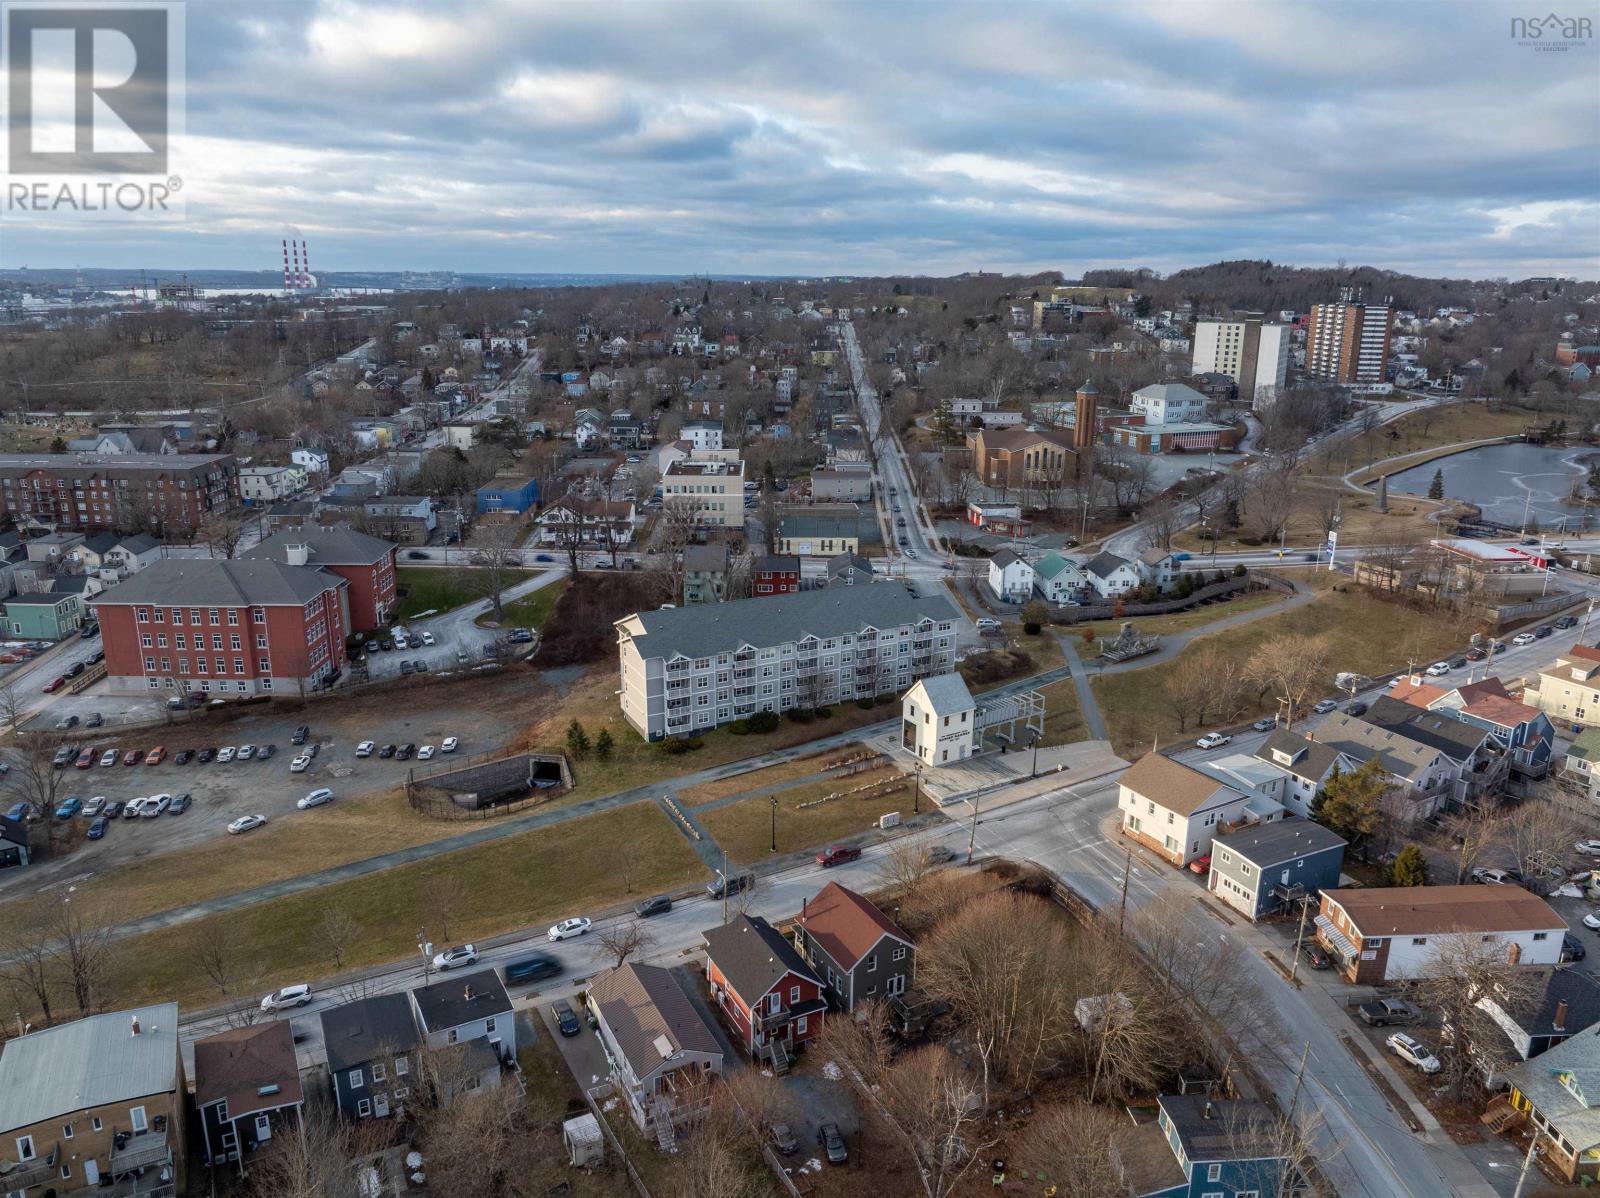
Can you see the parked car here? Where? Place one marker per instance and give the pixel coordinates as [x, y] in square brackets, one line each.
[155, 805]
[425, 753]
[386, 752]
[719, 885]
[245, 753]
[95, 720]
[184, 757]
[1315, 955]
[66, 721]
[69, 808]
[154, 756]
[1439, 668]
[1572, 948]
[1589, 848]
[427, 638]
[1384, 1011]
[97, 829]
[1265, 724]
[245, 823]
[1413, 1052]
[783, 1140]
[226, 754]
[113, 809]
[1213, 740]
[449, 745]
[265, 751]
[133, 808]
[1523, 638]
[1592, 921]
[1494, 877]
[569, 928]
[531, 968]
[1356, 708]
[135, 756]
[95, 806]
[405, 751]
[833, 1143]
[297, 995]
[1325, 706]
[1201, 865]
[566, 1019]
[454, 958]
[657, 905]
[301, 735]
[1475, 654]
[64, 756]
[300, 764]
[1567, 621]
[365, 748]
[1543, 631]
[1457, 662]
[315, 799]
[54, 685]
[206, 754]
[837, 855]
[180, 803]
[74, 669]
[86, 758]
[985, 623]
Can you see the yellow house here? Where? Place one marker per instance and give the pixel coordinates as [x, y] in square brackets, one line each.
[1559, 1094]
[94, 1107]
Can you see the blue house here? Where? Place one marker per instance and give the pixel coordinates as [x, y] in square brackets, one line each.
[508, 499]
[1206, 1148]
[1262, 869]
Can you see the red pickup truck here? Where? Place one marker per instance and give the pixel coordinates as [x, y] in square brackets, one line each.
[837, 855]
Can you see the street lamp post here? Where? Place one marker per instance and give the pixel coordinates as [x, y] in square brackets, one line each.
[425, 947]
[773, 799]
[1033, 770]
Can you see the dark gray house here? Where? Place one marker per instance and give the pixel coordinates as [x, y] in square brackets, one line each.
[1260, 870]
[855, 948]
[847, 569]
[373, 1046]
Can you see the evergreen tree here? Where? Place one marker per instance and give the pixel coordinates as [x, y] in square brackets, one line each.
[577, 740]
[1436, 487]
[1350, 802]
[1410, 868]
[603, 744]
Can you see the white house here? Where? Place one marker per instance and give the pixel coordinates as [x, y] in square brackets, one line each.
[1159, 569]
[267, 484]
[939, 720]
[1010, 578]
[1306, 766]
[702, 435]
[469, 1018]
[312, 461]
[1111, 575]
[1059, 578]
[1169, 403]
[1176, 810]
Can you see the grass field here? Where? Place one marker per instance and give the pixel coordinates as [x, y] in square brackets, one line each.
[1359, 522]
[1426, 428]
[763, 779]
[569, 869]
[1181, 621]
[531, 611]
[744, 829]
[439, 588]
[1369, 636]
[1063, 719]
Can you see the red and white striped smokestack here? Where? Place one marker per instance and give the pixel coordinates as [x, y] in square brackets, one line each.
[286, 276]
[305, 264]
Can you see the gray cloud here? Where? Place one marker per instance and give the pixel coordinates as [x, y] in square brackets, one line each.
[870, 137]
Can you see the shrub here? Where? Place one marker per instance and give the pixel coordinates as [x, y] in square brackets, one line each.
[677, 745]
[739, 727]
[1239, 571]
[824, 713]
[603, 744]
[762, 721]
[802, 715]
[577, 740]
[864, 704]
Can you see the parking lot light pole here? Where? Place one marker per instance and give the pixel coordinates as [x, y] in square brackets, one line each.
[426, 949]
[773, 799]
[1033, 770]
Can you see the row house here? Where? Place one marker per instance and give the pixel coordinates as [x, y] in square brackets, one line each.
[1177, 810]
[862, 954]
[89, 492]
[682, 672]
[574, 518]
[227, 627]
[247, 1091]
[775, 574]
[771, 999]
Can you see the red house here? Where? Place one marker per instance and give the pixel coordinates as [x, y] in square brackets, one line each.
[767, 994]
[365, 562]
[778, 575]
[224, 627]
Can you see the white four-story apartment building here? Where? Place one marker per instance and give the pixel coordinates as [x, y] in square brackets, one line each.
[688, 669]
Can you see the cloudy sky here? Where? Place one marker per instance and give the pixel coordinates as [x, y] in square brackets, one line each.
[779, 137]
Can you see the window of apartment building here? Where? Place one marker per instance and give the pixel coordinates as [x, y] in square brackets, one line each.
[161, 641]
[216, 616]
[96, 1124]
[354, 1079]
[145, 642]
[142, 614]
[233, 616]
[216, 640]
[161, 616]
[25, 1151]
[261, 640]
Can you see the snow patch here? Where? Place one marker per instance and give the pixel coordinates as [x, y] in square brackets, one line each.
[832, 1072]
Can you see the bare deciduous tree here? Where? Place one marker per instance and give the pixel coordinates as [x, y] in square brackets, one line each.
[623, 939]
[444, 895]
[1465, 970]
[939, 1106]
[336, 933]
[1540, 833]
[1289, 668]
[1069, 1146]
[85, 950]
[214, 952]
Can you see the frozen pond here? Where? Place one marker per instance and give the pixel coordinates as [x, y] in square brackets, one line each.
[1510, 481]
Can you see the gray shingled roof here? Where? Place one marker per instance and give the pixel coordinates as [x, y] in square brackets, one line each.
[754, 956]
[1005, 557]
[354, 1033]
[461, 999]
[88, 1063]
[1439, 730]
[336, 545]
[1266, 845]
[707, 629]
[1312, 758]
[1539, 1081]
[641, 1003]
[182, 582]
[1105, 564]
[947, 692]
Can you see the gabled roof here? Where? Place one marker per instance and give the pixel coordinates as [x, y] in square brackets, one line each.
[945, 693]
[1052, 564]
[1306, 758]
[754, 957]
[641, 1004]
[1536, 1015]
[841, 562]
[87, 1063]
[335, 545]
[1154, 556]
[461, 999]
[181, 582]
[356, 1032]
[1439, 730]
[1172, 785]
[254, 1068]
[1006, 557]
[845, 925]
[1105, 563]
[1564, 1087]
[1266, 845]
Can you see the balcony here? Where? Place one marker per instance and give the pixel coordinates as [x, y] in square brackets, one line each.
[139, 1152]
[775, 1022]
[41, 1170]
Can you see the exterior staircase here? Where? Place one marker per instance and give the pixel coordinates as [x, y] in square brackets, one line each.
[779, 1057]
[1500, 1115]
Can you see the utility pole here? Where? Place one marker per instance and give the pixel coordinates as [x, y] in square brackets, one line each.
[773, 799]
[1127, 868]
[916, 794]
[972, 836]
[1522, 1177]
[1299, 939]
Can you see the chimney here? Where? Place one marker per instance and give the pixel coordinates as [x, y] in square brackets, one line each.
[466, 992]
[1206, 1113]
[297, 555]
[1560, 1021]
[136, 1025]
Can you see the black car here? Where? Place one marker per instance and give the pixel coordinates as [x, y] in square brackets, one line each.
[1356, 708]
[386, 752]
[404, 752]
[386, 644]
[659, 905]
[98, 656]
[95, 720]
[1457, 662]
[532, 968]
[783, 1139]
[1315, 956]
[1497, 647]
[1543, 631]
[1572, 949]
[75, 669]
[113, 809]
[184, 757]
[422, 667]
[830, 1139]
[205, 755]
[417, 555]
[1566, 621]
[301, 735]
[265, 751]
[717, 888]
[90, 631]
[566, 1018]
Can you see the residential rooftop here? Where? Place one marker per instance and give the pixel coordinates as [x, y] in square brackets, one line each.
[199, 582]
[87, 1063]
[1419, 910]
